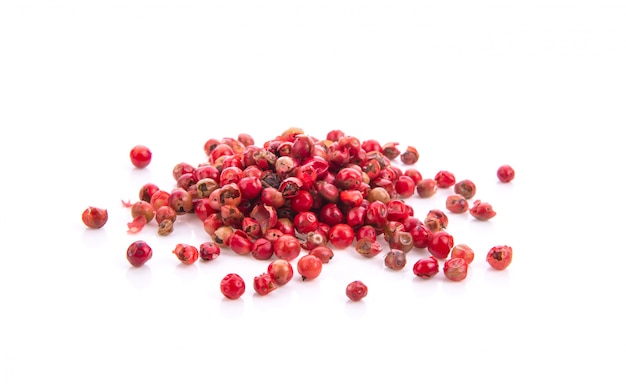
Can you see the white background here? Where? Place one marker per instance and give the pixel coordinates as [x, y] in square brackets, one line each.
[539, 85]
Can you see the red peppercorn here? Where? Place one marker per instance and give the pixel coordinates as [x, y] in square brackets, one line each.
[482, 211]
[323, 252]
[426, 267]
[94, 217]
[356, 290]
[421, 236]
[240, 243]
[209, 251]
[415, 175]
[499, 257]
[159, 198]
[309, 267]
[395, 259]
[187, 254]
[455, 269]
[463, 251]
[456, 204]
[232, 286]
[368, 247]
[410, 156]
[264, 284]
[405, 186]
[287, 247]
[444, 179]
[426, 188]
[341, 236]
[140, 156]
[506, 173]
[262, 249]
[465, 188]
[401, 240]
[436, 220]
[366, 231]
[440, 244]
[281, 271]
[146, 191]
[142, 208]
[165, 213]
[138, 253]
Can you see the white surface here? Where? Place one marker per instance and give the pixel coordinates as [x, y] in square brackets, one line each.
[538, 84]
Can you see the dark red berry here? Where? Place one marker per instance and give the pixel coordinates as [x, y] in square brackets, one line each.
[356, 290]
[209, 251]
[440, 244]
[426, 267]
[138, 253]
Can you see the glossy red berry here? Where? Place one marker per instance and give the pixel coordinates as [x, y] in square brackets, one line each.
[281, 271]
[264, 284]
[341, 236]
[138, 253]
[405, 186]
[240, 242]
[140, 156]
[440, 244]
[232, 286]
[287, 247]
[94, 217]
[421, 236]
[187, 254]
[426, 267]
[499, 257]
[309, 267]
[455, 269]
[356, 290]
[506, 173]
[209, 251]
[262, 249]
